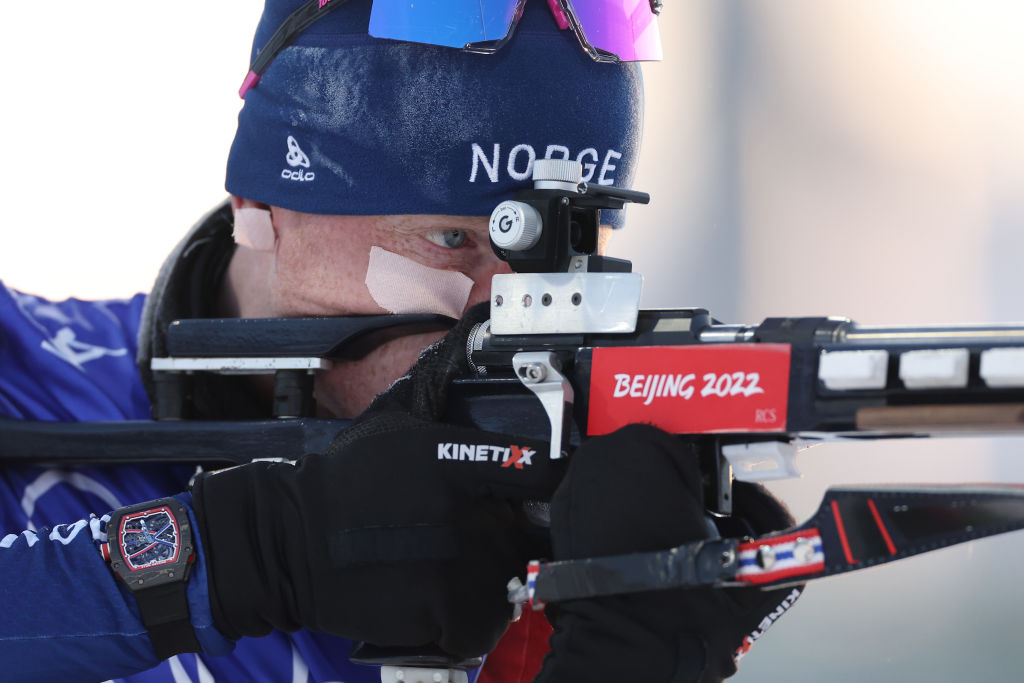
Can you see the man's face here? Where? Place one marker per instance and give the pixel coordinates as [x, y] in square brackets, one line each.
[319, 267]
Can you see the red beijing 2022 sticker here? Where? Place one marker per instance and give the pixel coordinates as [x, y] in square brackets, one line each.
[690, 389]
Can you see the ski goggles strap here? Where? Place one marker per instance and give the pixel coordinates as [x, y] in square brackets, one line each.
[297, 22]
[609, 30]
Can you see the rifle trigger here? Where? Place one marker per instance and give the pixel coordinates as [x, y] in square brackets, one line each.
[540, 372]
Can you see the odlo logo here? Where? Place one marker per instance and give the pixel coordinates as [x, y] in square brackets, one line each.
[298, 160]
[512, 456]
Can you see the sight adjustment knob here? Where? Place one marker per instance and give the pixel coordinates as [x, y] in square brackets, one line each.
[557, 174]
[515, 226]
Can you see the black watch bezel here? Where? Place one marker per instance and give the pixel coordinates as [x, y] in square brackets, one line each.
[173, 570]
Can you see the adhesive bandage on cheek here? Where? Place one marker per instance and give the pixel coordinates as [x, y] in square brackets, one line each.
[401, 285]
[254, 229]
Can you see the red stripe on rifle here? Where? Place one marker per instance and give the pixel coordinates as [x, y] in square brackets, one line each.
[881, 527]
[842, 533]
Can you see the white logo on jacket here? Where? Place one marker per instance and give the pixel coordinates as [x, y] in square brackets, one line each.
[65, 346]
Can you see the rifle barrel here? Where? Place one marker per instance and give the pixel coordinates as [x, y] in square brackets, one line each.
[1008, 333]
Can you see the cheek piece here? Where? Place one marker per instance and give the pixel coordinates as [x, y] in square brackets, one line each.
[401, 285]
[254, 229]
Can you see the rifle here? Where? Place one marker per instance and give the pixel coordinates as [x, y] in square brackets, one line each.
[568, 354]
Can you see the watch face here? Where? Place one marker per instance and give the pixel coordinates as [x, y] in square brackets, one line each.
[149, 538]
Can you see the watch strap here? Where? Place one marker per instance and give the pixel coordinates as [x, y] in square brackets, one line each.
[164, 611]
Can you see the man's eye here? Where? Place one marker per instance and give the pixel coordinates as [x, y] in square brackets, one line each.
[452, 239]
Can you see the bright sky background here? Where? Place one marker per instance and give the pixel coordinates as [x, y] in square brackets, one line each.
[117, 121]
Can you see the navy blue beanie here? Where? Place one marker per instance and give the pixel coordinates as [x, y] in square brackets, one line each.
[343, 123]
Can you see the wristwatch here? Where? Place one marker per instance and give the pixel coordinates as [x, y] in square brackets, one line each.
[149, 546]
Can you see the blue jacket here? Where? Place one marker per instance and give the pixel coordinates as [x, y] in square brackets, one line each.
[64, 616]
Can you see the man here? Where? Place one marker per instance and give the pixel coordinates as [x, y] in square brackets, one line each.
[357, 164]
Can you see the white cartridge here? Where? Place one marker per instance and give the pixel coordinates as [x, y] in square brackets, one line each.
[1003, 367]
[934, 368]
[864, 369]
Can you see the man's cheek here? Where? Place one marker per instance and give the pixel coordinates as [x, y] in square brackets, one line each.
[318, 291]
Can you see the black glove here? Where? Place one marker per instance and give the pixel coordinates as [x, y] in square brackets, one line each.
[639, 490]
[393, 536]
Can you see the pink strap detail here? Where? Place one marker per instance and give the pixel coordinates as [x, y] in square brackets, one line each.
[250, 80]
[560, 19]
